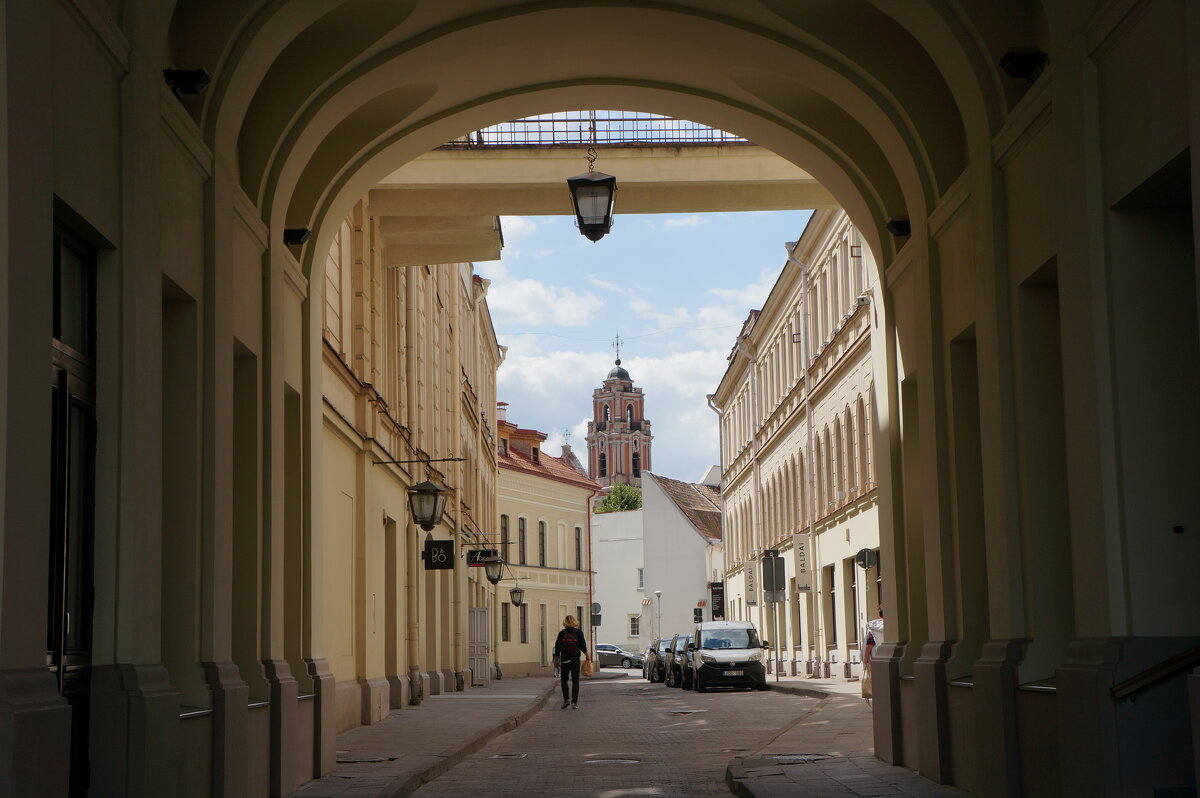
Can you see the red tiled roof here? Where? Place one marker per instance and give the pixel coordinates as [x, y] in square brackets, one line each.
[700, 503]
[555, 468]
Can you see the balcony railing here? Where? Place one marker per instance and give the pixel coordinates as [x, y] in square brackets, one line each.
[594, 129]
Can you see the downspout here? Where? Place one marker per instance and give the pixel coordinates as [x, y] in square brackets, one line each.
[412, 571]
[591, 570]
[458, 577]
[721, 458]
[805, 270]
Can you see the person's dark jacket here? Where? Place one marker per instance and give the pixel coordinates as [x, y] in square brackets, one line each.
[558, 643]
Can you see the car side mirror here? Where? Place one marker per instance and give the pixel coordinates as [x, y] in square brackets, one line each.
[691, 646]
[766, 644]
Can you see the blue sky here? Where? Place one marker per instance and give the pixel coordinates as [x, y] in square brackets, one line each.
[676, 287]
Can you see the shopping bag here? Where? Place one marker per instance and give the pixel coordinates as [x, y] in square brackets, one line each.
[586, 668]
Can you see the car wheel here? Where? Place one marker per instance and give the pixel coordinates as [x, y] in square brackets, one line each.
[627, 663]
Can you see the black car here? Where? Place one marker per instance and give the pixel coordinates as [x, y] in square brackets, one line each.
[679, 671]
[654, 660]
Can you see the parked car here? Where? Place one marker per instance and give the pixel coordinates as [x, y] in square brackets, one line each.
[654, 660]
[678, 672]
[608, 654]
[726, 654]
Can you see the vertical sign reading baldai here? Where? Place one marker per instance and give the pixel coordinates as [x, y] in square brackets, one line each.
[800, 553]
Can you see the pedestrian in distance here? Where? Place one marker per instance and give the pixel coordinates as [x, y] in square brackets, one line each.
[873, 638]
[570, 649]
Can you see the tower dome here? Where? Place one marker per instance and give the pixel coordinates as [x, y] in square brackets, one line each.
[618, 373]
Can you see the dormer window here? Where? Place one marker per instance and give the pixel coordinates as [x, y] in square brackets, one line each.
[535, 455]
[504, 446]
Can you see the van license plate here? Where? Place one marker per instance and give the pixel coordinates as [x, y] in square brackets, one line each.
[734, 673]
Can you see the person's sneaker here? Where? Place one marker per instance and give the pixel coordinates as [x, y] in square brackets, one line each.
[574, 706]
[566, 704]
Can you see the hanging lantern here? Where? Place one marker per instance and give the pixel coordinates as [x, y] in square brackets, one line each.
[517, 596]
[592, 196]
[428, 502]
[493, 568]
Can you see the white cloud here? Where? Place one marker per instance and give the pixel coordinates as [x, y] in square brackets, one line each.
[606, 285]
[531, 302]
[692, 220]
[545, 253]
[751, 295]
[517, 228]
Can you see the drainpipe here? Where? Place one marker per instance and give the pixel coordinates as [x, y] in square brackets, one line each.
[721, 457]
[412, 570]
[805, 271]
[591, 570]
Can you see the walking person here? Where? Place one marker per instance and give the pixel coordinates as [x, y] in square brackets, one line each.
[570, 649]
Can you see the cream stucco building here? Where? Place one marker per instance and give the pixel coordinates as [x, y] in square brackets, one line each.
[545, 540]
[409, 386]
[797, 444]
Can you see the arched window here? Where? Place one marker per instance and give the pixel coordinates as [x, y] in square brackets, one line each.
[637, 464]
[838, 479]
[827, 467]
[603, 465]
[629, 413]
[819, 487]
[607, 413]
[851, 470]
[802, 492]
[862, 442]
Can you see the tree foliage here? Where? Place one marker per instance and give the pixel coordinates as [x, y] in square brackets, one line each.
[621, 498]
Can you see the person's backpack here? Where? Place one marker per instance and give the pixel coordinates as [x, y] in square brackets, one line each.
[568, 644]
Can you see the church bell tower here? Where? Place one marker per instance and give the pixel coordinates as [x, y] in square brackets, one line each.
[618, 436]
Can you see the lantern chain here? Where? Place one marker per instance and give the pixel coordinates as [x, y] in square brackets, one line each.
[591, 159]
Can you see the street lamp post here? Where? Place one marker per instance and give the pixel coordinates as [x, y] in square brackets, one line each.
[658, 616]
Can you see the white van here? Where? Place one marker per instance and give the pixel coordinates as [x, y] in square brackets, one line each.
[726, 654]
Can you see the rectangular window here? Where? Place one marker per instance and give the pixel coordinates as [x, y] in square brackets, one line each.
[584, 622]
[578, 549]
[504, 537]
[542, 543]
[505, 632]
[524, 623]
[635, 623]
[641, 579]
[521, 553]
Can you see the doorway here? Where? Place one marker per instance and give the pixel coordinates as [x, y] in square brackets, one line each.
[72, 490]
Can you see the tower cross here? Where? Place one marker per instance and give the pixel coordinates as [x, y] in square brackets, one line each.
[617, 346]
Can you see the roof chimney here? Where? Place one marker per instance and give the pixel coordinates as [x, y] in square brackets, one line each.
[502, 411]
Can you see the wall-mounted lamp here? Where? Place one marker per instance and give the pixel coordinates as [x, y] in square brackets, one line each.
[493, 569]
[517, 596]
[427, 502]
[295, 236]
[186, 81]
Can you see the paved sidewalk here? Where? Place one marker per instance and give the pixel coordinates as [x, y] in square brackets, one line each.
[826, 753]
[414, 745]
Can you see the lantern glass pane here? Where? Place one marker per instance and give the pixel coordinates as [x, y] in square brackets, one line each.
[422, 505]
[593, 203]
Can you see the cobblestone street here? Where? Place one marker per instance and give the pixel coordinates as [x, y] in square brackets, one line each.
[628, 738]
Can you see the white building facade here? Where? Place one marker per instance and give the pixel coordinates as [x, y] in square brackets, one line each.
[683, 551]
[797, 446]
[620, 583]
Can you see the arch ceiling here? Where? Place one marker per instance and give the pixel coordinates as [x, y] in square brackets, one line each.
[313, 101]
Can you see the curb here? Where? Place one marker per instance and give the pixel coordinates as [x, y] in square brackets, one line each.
[414, 782]
[808, 692]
